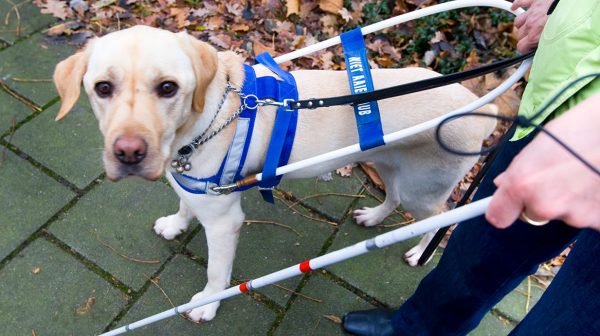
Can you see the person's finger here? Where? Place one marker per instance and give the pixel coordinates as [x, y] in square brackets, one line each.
[504, 208]
[520, 20]
[526, 45]
[521, 3]
[521, 33]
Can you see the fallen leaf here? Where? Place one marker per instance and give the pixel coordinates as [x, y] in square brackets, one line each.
[331, 6]
[345, 171]
[56, 8]
[87, 306]
[293, 7]
[369, 169]
[333, 318]
[259, 48]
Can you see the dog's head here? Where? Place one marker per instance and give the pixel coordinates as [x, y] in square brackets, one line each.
[143, 84]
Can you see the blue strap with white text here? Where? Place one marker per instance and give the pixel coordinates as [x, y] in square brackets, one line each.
[284, 129]
[368, 121]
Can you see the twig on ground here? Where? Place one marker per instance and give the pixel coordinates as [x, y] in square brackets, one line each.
[155, 283]
[324, 194]
[126, 257]
[15, 8]
[307, 216]
[18, 97]
[314, 329]
[299, 294]
[254, 221]
[27, 80]
[396, 224]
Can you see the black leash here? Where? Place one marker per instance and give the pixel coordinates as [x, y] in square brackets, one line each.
[403, 89]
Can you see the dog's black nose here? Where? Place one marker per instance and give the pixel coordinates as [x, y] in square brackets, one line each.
[130, 149]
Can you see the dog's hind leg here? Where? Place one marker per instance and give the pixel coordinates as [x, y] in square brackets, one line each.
[170, 226]
[372, 216]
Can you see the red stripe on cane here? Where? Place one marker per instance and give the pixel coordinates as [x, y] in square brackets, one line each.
[305, 266]
[244, 288]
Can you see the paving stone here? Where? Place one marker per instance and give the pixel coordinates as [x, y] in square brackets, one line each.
[72, 147]
[116, 219]
[492, 326]
[11, 112]
[18, 22]
[307, 317]
[381, 273]
[182, 278]
[45, 291]
[515, 306]
[266, 248]
[28, 197]
[330, 203]
[33, 59]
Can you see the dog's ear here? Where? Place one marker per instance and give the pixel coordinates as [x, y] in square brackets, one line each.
[68, 75]
[204, 62]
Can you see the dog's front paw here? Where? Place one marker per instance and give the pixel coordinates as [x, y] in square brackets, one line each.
[367, 216]
[413, 255]
[204, 313]
[169, 227]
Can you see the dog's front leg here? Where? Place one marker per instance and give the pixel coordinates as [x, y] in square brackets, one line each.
[222, 221]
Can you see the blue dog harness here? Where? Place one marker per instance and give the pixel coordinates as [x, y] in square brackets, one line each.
[282, 138]
[258, 89]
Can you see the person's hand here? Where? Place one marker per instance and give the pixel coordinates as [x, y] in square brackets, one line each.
[531, 23]
[547, 182]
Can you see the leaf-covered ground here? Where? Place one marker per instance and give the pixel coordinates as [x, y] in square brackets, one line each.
[445, 42]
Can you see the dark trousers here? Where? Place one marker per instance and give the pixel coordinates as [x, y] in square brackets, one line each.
[481, 264]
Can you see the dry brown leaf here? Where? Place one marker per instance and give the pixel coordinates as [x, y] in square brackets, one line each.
[369, 169]
[56, 8]
[58, 30]
[240, 27]
[331, 6]
[259, 48]
[333, 318]
[345, 171]
[86, 306]
[293, 7]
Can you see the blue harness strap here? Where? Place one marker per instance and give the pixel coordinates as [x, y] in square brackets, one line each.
[284, 129]
[368, 121]
[231, 167]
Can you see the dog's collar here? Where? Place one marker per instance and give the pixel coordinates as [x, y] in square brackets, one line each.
[182, 162]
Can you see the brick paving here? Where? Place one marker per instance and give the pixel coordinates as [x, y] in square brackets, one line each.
[78, 256]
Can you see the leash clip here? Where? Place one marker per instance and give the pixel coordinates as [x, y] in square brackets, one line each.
[286, 103]
[224, 190]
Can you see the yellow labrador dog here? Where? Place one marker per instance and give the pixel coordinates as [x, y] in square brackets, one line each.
[153, 91]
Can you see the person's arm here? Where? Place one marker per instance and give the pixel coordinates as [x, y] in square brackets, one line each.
[547, 182]
[531, 23]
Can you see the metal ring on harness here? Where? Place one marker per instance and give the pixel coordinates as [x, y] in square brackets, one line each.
[253, 98]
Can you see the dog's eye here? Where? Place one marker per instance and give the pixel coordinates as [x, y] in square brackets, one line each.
[103, 89]
[167, 89]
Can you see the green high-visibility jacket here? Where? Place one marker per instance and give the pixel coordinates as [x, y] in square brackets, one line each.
[568, 49]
